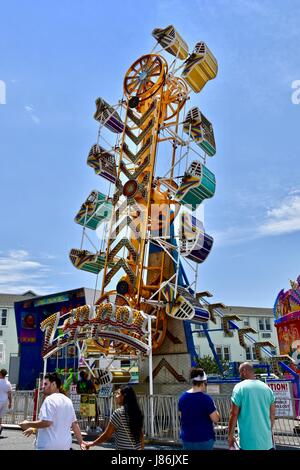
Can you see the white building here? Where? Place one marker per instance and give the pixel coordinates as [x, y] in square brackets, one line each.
[228, 348]
[9, 347]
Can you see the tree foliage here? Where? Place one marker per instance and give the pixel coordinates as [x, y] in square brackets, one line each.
[209, 364]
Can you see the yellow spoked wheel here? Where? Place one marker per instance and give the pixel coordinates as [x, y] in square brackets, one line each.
[159, 330]
[114, 298]
[145, 76]
[174, 97]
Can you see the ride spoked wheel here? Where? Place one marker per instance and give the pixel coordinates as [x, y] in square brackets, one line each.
[114, 298]
[174, 97]
[145, 76]
[159, 330]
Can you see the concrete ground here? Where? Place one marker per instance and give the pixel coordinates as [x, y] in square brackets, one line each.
[12, 439]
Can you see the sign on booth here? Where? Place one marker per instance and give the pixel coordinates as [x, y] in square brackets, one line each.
[283, 398]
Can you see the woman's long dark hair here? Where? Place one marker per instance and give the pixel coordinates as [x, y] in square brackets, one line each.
[133, 412]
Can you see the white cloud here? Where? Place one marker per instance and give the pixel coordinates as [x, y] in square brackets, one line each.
[18, 254]
[47, 256]
[19, 272]
[233, 236]
[294, 191]
[22, 288]
[283, 219]
[31, 111]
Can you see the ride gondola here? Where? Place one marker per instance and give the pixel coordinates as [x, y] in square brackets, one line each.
[200, 67]
[200, 129]
[197, 184]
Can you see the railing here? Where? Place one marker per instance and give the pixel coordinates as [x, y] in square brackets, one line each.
[286, 429]
[166, 420]
[166, 425]
[22, 407]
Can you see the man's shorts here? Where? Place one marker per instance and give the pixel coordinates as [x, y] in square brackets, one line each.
[2, 409]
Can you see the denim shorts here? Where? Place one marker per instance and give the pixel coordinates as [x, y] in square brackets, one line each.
[203, 445]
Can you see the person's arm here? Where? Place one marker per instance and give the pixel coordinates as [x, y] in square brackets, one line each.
[272, 415]
[215, 416]
[272, 419]
[9, 395]
[40, 424]
[105, 436]
[142, 441]
[234, 413]
[212, 410]
[28, 432]
[78, 435]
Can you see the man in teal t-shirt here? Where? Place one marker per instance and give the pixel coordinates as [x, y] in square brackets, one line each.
[253, 409]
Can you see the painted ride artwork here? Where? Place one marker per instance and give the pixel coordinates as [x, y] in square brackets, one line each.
[287, 322]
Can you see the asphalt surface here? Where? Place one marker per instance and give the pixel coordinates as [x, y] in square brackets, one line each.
[13, 439]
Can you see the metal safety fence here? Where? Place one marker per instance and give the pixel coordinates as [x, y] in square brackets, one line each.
[286, 430]
[22, 407]
[165, 426]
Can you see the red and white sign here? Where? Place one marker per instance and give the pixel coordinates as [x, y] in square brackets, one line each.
[283, 398]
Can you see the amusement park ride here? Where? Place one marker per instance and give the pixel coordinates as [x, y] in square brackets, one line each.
[158, 174]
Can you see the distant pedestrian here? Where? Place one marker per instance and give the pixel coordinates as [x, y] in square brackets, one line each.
[253, 409]
[197, 414]
[5, 395]
[126, 423]
[56, 418]
[85, 385]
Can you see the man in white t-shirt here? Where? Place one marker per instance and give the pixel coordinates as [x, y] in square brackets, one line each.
[5, 395]
[56, 418]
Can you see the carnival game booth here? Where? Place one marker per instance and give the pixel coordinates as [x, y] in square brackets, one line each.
[29, 315]
[287, 323]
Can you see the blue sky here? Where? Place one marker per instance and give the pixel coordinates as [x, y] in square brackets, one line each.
[57, 57]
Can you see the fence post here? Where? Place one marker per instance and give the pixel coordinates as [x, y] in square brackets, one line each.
[26, 406]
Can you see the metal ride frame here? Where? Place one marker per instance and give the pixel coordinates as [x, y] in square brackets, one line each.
[142, 237]
[158, 96]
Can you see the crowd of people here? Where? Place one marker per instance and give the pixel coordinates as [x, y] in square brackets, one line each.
[252, 412]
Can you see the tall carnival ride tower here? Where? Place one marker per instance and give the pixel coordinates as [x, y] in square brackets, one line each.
[151, 236]
[152, 239]
[158, 168]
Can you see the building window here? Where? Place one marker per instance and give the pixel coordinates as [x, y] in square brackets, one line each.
[266, 335]
[246, 321]
[2, 353]
[250, 354]
[4, 317]
[226, 350]
[1, 332]
[268, 324]
[200, 334]
[219, 352]
[264, 324]
[223, 353]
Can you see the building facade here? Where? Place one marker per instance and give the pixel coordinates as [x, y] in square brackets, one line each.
[9, 347]
[228, 348]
